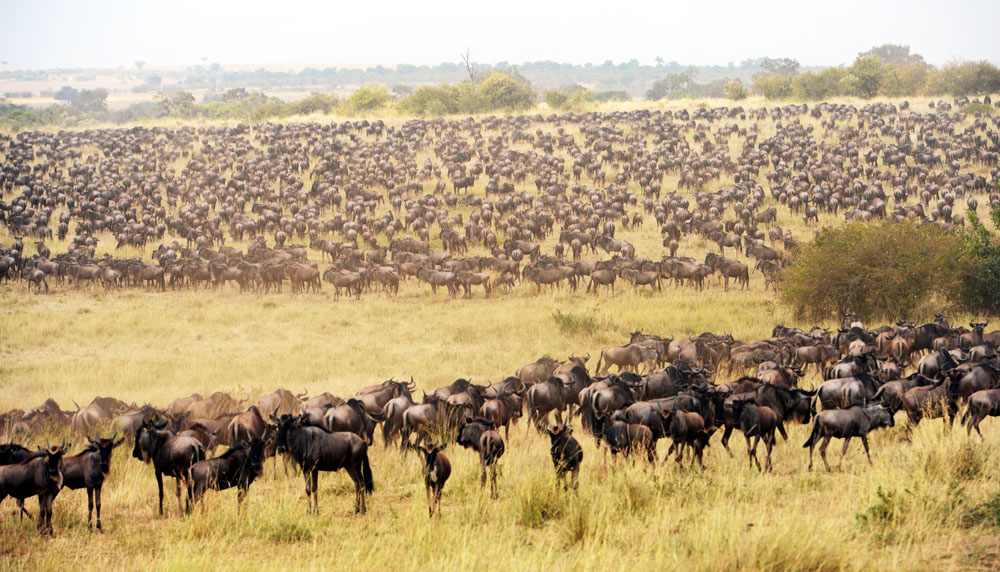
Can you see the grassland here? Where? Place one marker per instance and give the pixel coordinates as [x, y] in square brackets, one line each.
[932, 504]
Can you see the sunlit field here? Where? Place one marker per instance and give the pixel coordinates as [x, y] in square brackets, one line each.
[932, 503]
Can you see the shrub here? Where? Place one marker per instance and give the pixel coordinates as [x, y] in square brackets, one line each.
[773, 86]
[981, 288]
[874, 270]
[736, 90]
[369, 98]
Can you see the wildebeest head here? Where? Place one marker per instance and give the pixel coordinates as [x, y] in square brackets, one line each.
[104, 448]
[285, 423]
[144, 439]
[53, 463]
[473, 428]
[430, 457]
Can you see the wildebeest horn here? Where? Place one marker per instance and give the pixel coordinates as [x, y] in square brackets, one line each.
[78, 405]
[303, 395]
[274, 415]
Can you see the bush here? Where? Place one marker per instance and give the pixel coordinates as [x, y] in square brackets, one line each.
[773, 86]
[878, 271]
[369, 98]
[981, 289]
[819, 85]
[736, 90]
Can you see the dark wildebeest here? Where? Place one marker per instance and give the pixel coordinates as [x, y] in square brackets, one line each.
[982, 404]
[542, 398]
[392, 413]
[844, 424]
[891, 393]
[938, 400]
[686, 428]
[316, 450]
[237, 467]
[502, 410]
[88, 470]
[759, 422]
[247, 426]
[626, 438]
[352, 417]
[172, 455]
[789, 404]
[40, 474]
[566, 456]
[480, 434]
[436, 470]
[423, 418]
[847, 392]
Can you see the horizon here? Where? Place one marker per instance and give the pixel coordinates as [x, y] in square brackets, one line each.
[112, 34]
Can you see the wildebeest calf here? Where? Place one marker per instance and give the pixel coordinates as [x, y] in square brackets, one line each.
[436, 469]
[237, 467]
[625, 438]
[686, 428]
[566, 455]
[480, 434]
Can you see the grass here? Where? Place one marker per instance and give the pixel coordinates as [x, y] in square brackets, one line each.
[926, 505]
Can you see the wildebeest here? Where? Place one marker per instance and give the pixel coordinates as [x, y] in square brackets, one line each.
[847, 392]
[481, 435]
[686, 428]
[316, 450]
[759, 422]
[39, 475]
[171, 455]
[237, 467]
[566, 455]
[537, 371]
[627, 438]
[982, 404]
[423, 418]
[88, 469]
[436, 470]
[845, 424]
[502, 410]
[629, 357]
[350, 416]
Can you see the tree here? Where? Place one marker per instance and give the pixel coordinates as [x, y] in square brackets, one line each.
[773, 86]
[503, 91]
[864, 78]
[556, 98]
[887, 270]
[468, 64]
[736, 90]
[91, 100]
[672, 84]
[779, 66]
[981, 290]
[893, 54]
[966, 78]
[819, 85]
[904, 79]
[180, 103]
[66, 93]
[369, 97]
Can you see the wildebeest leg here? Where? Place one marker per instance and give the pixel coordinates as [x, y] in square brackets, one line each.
[725, 439]
[23, 511]
[241, 494]
[180, 507]
[430, 501]
[482, 478]
[979, 419]
[847, 441]
[769, 443]
[493, 480]
[159, 485]
[822, 452]
[90, 509]
[437, 499]
[308, 476]
[315, 490]
[781, 429]
[864, 441]
[752, 451]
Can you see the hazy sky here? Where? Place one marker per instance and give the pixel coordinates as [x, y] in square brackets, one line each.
[109, 33]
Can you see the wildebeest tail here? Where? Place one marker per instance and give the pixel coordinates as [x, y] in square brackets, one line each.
[366, 472]
[966, 415]
[814, 436]
[598, 370]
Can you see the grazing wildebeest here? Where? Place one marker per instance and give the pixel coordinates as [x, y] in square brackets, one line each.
[759, 422]
[172, 455]
[237, 467]
[982, 404]
[88, 469]
[40, 474]
[844, 424]
[566, 456]
[436, 469]
[481, 435]
[316, 450]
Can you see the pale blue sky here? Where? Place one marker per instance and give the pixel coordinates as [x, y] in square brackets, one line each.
[109, 33]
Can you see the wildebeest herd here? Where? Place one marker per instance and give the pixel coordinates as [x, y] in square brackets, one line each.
[476, 203]
[676, 394]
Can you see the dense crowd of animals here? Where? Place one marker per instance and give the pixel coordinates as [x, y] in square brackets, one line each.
[670, 390]
[476, 203]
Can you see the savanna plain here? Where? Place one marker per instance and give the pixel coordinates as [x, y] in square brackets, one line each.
[931, 503]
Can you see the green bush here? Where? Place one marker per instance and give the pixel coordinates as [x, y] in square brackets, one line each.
[369, 98]
[736, 90]
[878, 271]
[981, 289]
[773, 86]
